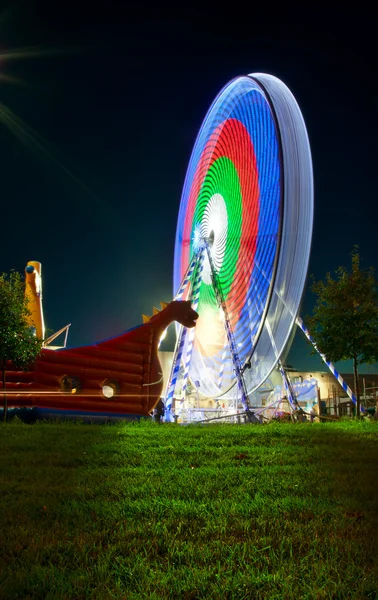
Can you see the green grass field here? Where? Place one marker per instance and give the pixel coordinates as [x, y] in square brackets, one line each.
[154, 511]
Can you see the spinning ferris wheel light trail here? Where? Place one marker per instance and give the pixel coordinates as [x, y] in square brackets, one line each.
[247, 213]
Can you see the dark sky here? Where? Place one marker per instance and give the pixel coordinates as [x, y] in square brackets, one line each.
[105, 113]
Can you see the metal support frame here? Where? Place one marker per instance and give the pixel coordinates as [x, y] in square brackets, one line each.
[179, 349]
[187, 277]
[290, 392]
[230, 337]
[194, 298]
[291, 395]
[181, 338]
[52, 337]
[221, 370]
[330, 365]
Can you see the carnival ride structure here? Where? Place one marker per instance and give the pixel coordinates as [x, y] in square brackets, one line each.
[120, 376]
[243, 239]
[241, 257]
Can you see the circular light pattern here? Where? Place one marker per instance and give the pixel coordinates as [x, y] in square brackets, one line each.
[248, 192]
[214, 228]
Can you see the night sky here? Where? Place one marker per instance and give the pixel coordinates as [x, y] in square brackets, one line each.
[98, 126]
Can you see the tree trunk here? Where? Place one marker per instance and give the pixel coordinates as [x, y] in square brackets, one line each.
[5, 401]
[356, 387]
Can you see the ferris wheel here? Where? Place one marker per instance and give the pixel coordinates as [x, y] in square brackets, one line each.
[243, 238]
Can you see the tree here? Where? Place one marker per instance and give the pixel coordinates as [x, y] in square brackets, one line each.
[344, 324]
[17, 340]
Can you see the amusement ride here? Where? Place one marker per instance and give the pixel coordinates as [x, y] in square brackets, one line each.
[243, 243]
[241, 256]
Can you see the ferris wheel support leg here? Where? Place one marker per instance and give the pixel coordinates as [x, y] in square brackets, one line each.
[330, 365]
[230, 337]
[223, 364]
[290, 392]
[194, 298]
[178, 353]
[291, 395]
[187, 277]
[174, 373]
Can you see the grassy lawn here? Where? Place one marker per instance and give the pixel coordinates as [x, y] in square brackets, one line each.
[162, 511]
